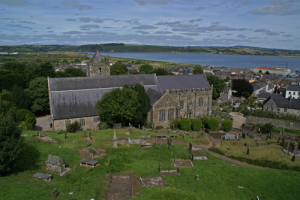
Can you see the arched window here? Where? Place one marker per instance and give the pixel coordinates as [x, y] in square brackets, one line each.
[99, 69]
[162, 115]
[201, 103]
[170, 114]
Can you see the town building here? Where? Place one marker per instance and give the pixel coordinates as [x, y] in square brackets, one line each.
[98, 66]
[282, 105]
[293, 91]
[271, 70]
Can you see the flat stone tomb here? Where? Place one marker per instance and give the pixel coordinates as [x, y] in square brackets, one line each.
[192, 133]
[169, 172]
[144, 136]
[88, 163]
[45, 177]
[178, 131]
[56, 165]
[137, 141]
[200, 158]
[120, 186]
[122, 140]
[155, 181]
[174, 136]
[183, 163]
[161, 136]
[144, 144]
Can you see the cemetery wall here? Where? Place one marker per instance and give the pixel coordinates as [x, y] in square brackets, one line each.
[89, 123]
[275, 122]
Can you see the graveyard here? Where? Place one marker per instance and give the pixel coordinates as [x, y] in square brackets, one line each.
[166, 170]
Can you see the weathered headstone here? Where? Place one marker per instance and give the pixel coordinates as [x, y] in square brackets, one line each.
[295, 148]
[257, 144]
[174, 159]
[58, 132]
[108, 161]
[288, 145]
[159, 146]
[90, 135]
[170, 141]
[243, 135]
[248, 150]
[143, 127]
[139, 126]
[293, 158]
[183, 136]
[115, 140]
[84, 133]
[87, 143]
[267, 137]
[245, 144]
[54, 194]
[65, 134]
[168, 132]
[283, 139]
[197, 178]
[278, 140]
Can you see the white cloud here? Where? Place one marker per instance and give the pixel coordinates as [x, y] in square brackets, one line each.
[75, 4]
[279, 7]
[15, 2]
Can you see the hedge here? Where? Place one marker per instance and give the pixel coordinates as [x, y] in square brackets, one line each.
[213, 124]
[196, 124]
[227, 124]
[185, 124]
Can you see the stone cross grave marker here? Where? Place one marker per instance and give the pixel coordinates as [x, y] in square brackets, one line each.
[293, 158]
[108, 161]
[65, 134]
[84, 133]
[87, 142]
[54, 194]
[248, 150]
[90, 135]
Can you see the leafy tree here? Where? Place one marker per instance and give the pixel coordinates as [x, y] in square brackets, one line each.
[227, 79]
[8, 81]
[144, 102]
[196, 124]
[246, 94]
[19, 98]
[10, 143]
[118, 106]
[260, 71]
[205, 121]
[267, 72]
[227, 124]
[213, 124]
[75, 72]
[198, 69]
[44, 69]
[27, 116]
[76, 60]
[16, 67]
[5, 72]
[146, 68]
[185, 124]
[241, 85]
[38, 91]
[161, 72]
[74, 127]
[118, 69]
[218, 85]
[61, 74]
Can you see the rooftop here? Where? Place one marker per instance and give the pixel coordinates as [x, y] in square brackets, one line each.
[272, 68]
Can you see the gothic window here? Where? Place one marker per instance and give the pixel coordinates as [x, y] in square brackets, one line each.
[170, 114]
[201, 103]
[162, 115]
[181, 104]
[96, 119]
[99, 69]
[82, 122]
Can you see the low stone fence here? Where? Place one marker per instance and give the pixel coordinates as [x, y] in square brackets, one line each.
[276, 122]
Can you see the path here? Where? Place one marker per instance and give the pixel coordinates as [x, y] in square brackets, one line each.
[233, 161]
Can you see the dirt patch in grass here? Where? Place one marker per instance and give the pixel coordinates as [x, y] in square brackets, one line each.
[91, 153]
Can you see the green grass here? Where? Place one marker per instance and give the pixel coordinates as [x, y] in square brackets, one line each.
[218, 179]
[277, 130]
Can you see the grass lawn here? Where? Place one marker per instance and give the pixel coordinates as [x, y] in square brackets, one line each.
[276, 129]
[218, 179]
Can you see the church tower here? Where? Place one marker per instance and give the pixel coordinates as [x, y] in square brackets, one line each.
[98, 66]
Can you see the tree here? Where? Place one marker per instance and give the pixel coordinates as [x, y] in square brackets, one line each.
[118, 69]
[160, 72]
[38, 91]
[8, 81]
[218, 85]
[61, 74]
[246, 94]
[27, 116]
[144, 101]
[19, 98]
[16, 67]
[241, 85]
[10, 143]
[146, 68]
[227, 124]
[198, 69]
[185, 124]
[213, 124]
[75, 72]
[267, 72]
[118, 106]
[267, 128]
[260, 71]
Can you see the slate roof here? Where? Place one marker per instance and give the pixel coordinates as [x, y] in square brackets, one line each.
[266, 95]
[293, 87]
[96, 58]
[226, 89]
[154, 96]
[285, 103]
[182, 82]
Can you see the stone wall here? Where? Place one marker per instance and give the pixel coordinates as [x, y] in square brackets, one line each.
[99, 69]
[237, 119]
[89, 123]
[275, 122]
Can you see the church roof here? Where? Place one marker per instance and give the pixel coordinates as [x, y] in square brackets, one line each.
[154, 96]
[182, 82]
[96, 58]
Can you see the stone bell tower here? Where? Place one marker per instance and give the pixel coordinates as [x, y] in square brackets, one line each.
[98, 66]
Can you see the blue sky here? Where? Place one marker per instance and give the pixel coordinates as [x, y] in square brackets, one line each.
[273, 23]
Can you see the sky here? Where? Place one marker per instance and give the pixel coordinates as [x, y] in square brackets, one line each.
[259, 23]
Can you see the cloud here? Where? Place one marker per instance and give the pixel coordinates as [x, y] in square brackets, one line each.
[133, 21]
[279, 7]
[191, 34]
[163, 32]
[143, 2]
[144, 27]
[49, 27]
[212, 28]
[88, 19]
[176, 24]
[84, 19]
[3, 9]
[6, 18]
[15, 2]
[75, 4]
[266, 32]
[195, 20]
[72, 32]
[89, 27]
[19, 26]
[142, 32]
[242, 36]
[288, 35]
[71, 20]
[50, 31]
[200, 8]
[27, 22]
[215, 23]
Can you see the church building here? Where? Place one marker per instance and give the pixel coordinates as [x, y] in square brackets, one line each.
[74, 99]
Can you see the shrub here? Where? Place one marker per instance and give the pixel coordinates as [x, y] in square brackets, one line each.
[217, 151]
[267, 128]
[196, 124]
[185, 124]
[205, 121]
[74, 127]
[23, 125]
[175, 122]
[27, 116]
[103, 126]
[159, 127]
[227, 124]
[213, 124]
[206, 130]
[149, 125]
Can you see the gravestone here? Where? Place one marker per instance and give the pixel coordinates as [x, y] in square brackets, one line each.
[54, 194]
[288, 145]
[197, 178]
[278, 140]
[168, 132]
[267, 137]
[159, 146]
[171, 143]
[65, 134]
[87, 143]
[130, 128]
[108, 163]
[245, 144]
[115, 140]
[58, 132]
[143, 127]
[139, 126]
[159, 168]
[202, 127]
[257, 144]
[174, 159]
[84, 133]
[283, 139]
[248, 150]
[243, 135]
[183, 136]
[90, 135]
[293, 158]
[295, 148]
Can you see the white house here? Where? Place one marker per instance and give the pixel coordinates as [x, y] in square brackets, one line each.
[293, 91]
[272, 70]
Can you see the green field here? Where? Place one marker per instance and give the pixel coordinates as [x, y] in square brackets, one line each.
[218, 179]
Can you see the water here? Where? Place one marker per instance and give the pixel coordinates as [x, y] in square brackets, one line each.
[236, 61]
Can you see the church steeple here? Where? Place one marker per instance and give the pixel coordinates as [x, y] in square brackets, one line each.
[96, 58]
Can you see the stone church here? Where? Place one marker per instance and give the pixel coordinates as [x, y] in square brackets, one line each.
[74, 99]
